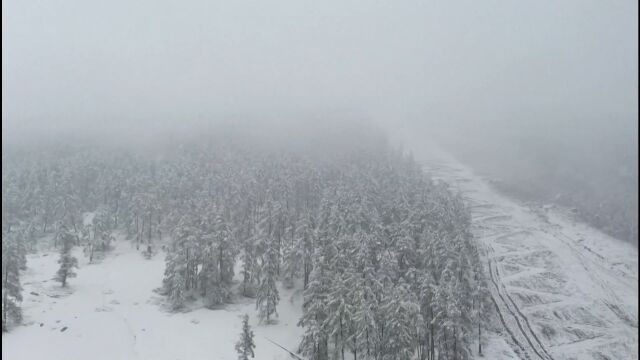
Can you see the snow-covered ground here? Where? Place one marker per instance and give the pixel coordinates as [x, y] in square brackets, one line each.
[563, 290]
[111, 312]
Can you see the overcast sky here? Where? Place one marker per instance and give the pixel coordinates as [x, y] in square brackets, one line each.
[85, 65]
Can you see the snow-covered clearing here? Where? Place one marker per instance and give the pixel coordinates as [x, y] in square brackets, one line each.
[563, 290]
[110, 312]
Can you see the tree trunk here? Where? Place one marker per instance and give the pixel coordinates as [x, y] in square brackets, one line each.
[455, 343]
[306, 274]
[137, 234]
[380, 347]
[341, 339]
[116, 213]
[355, 348]
[4, 303]
[479, 338]
[446, 348]
[433, 345]
[188, 273]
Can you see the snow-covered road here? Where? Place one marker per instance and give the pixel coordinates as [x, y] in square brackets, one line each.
[562, 289]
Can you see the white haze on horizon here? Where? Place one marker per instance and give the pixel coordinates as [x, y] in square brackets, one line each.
[542, 94]
[85, 66]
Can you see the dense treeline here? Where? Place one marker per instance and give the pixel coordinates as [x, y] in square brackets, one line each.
[385, 256]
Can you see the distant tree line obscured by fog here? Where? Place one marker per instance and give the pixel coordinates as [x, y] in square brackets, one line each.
[589, 167]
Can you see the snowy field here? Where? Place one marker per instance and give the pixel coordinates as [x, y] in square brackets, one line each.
[111, 312]
[563, 290]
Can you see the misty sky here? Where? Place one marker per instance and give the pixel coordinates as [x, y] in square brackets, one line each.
[87, 65]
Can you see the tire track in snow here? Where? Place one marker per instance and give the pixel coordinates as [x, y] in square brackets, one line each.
[499, 290]
[118, 311]
[504, 324]
[135, 339]
[529, 343]
[588, 265]
[526, 320]
[525, 331]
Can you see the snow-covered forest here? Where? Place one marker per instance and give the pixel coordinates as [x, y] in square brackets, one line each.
[319, 180]
[385, 257]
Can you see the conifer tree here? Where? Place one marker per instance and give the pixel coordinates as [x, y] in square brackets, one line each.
[178, 290]
[30, 235]
[314, 342]
[20, 241]
[177, 262]
[304, 246]
[267, 297]
[292, 263]
[245, 346]
[11, 288]
[67, 261]
[249, 265]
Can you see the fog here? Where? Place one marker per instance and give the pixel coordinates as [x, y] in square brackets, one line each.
[540, 94]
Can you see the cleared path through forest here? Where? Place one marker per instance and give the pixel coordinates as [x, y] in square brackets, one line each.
[560, 288]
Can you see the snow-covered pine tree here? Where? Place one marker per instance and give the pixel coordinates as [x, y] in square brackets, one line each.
[214, 289]
[262, 240]
[341, 303]
[45, 206]
[249, 264]
[291, 264]
[480, 295]
[315, 341]
[267, 296]
[30, 235]
[217, 257]
[21, 244]
[102, 227]
[87, 237]
[401, 318]
[177, 295]
[11, 289]
[226, 249]
[67, 261]
[304, 245]
[59, 230]
[178, 262]
[447, 309]
[69, 204]
[245, 346]
[426, 288]
[366, 291]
